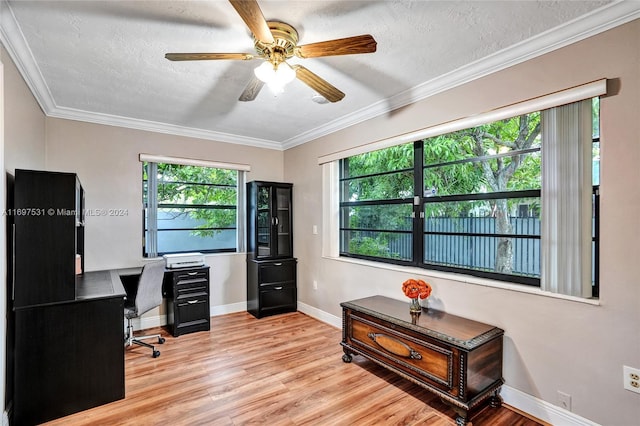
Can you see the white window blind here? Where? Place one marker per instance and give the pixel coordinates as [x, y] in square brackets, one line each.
[566, 199]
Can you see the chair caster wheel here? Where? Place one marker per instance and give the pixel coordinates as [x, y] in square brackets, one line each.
[161, 340]
[156, 354]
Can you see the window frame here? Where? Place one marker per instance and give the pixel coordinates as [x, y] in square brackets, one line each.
[418, 233]
[238, 227]
[419, 201]
[343, 167]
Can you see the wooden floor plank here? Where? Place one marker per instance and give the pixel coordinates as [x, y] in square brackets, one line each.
[284, 370]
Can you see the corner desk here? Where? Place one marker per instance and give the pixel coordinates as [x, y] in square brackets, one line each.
[69, 356]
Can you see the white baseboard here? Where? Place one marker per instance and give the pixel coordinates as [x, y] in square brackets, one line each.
[542, 409]
[320, 315]
[529, 404]
[228, 309]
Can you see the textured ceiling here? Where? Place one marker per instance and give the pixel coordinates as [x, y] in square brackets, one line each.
[103, 61]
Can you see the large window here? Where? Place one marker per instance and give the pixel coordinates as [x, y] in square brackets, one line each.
[189, 208]
[467, 201]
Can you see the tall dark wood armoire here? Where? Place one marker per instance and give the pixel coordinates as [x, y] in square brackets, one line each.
[271, 267]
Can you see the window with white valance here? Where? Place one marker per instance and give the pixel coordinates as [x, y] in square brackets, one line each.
[192, 205]
[426, 219]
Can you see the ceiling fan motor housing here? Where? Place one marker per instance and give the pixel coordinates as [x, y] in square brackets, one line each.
[286, 41]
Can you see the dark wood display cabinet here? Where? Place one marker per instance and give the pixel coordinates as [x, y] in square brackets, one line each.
[65, 328]
[187, 294]
[271, 267]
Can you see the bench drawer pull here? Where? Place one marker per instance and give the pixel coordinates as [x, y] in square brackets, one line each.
[395, 346]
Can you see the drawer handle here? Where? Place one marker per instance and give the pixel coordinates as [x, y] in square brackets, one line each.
[278, 288]
[393, 345]
[277, 264]
[192, 273]
[191, 302]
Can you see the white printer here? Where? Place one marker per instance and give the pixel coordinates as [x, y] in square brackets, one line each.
[183, 260]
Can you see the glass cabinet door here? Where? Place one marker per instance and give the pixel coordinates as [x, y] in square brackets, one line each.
[265, 221]
[269, 233]
[283, 221]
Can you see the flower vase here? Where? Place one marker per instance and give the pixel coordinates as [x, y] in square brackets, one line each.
[415, 305]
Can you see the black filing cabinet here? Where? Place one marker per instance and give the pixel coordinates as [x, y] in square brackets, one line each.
[187, 294]
[273, 287]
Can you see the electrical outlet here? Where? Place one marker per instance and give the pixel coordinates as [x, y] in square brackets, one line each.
[565, 400]
[315, 284]
[631, 378]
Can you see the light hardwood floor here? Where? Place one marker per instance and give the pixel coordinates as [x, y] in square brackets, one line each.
[280, 370]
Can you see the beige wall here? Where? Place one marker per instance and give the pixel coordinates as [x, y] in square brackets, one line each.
[24, 146]
[106, 161]
[551, 345]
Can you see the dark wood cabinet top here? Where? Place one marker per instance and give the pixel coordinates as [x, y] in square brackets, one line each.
[440, 325]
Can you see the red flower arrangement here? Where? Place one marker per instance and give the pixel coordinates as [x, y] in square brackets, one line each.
[416, 288]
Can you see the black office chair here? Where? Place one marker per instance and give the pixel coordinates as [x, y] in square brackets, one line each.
[146, 296]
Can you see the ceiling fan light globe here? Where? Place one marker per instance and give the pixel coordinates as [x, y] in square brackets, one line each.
[284, 75]
[265, 72]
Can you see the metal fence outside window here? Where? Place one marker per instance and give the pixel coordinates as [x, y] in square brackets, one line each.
[474, 252]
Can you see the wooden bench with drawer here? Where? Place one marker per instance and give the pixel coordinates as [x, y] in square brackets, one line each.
[458, 359]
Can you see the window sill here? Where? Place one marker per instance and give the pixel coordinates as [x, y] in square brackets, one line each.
[206, 255]
[226, 253]
[467, 279]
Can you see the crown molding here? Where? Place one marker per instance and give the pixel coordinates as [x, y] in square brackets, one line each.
[599, 20]
[14, 42]
[612, 15]
[157, 127]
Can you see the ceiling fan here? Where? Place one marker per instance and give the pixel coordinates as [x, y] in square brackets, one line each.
[275, 42]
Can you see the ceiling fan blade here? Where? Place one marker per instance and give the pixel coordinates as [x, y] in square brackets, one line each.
[251, 14]
[343, 46]
[207, 56]
[318, 84]
[251, 91]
